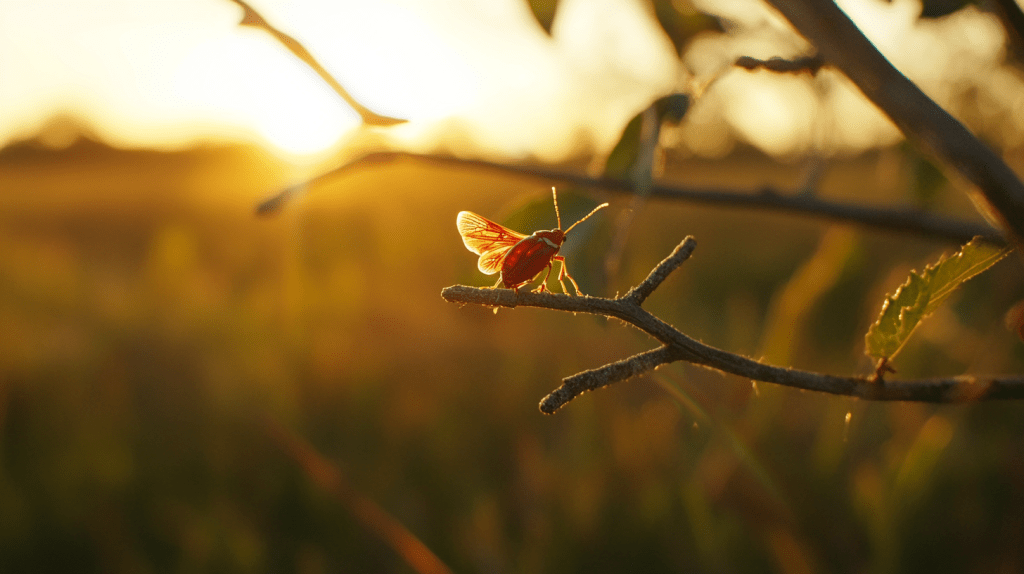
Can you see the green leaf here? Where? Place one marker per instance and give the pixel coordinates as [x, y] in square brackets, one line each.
[625, 152]
[922, 294]
[632, 158]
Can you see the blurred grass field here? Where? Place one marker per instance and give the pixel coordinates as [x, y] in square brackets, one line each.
[153, 332]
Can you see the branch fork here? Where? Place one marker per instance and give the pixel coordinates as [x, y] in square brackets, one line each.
[676, 346]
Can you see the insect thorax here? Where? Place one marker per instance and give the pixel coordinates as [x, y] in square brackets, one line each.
[553, 237]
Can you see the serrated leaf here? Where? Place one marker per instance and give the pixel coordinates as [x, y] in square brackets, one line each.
[922, 294]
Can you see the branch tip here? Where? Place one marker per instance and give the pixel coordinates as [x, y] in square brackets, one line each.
[676, 346]
[661, 271]
[592, 379]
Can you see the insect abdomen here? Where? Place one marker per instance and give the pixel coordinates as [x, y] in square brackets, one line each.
[529, 257]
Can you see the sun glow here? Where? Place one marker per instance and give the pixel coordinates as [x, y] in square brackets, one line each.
[472, 76]
[248, 80]
[168, 74]
[171, 74]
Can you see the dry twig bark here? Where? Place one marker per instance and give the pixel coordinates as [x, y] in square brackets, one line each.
[841, 44]
[901, 220]
[676, 346]
[252, 18]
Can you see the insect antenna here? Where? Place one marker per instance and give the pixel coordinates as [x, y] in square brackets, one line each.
[554, 195]
[592, 212]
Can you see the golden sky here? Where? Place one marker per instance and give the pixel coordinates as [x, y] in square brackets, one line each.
[171, 73]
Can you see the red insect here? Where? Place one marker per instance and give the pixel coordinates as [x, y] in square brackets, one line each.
[520, 258]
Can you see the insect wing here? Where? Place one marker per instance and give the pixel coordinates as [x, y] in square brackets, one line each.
[487, 239]
[490, 262]
[482, 235]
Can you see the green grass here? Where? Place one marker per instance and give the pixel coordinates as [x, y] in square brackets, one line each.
[153, 332]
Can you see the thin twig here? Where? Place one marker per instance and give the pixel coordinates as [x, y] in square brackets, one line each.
[677, 346]
[593, 379]
[681, 253]
[810, 64]
[765, 198]
[251, 17]
[841, 44]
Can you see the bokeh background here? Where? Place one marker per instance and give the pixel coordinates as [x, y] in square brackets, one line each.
[187, 387]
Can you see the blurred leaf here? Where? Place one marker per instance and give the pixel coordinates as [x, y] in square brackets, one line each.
[632, 157]
[681, 21]
[625, 151]
[544, 12]
[940, 8]
[923, 293]
[539, 213]
[534, 214]
[926, 180]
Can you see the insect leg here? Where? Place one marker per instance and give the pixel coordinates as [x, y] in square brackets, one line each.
[544, 284]
[564, 273]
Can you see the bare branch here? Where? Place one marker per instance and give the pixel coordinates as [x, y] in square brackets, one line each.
[251, 17]
[677, 346]
[603, 376]
[765, 198]
[681, 253]
[810, 64]
[841, 43]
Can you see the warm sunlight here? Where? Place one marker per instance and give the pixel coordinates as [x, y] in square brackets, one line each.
[463, 72]
[247, 325]
[168, 74]
[160, 74]
[285, 104]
